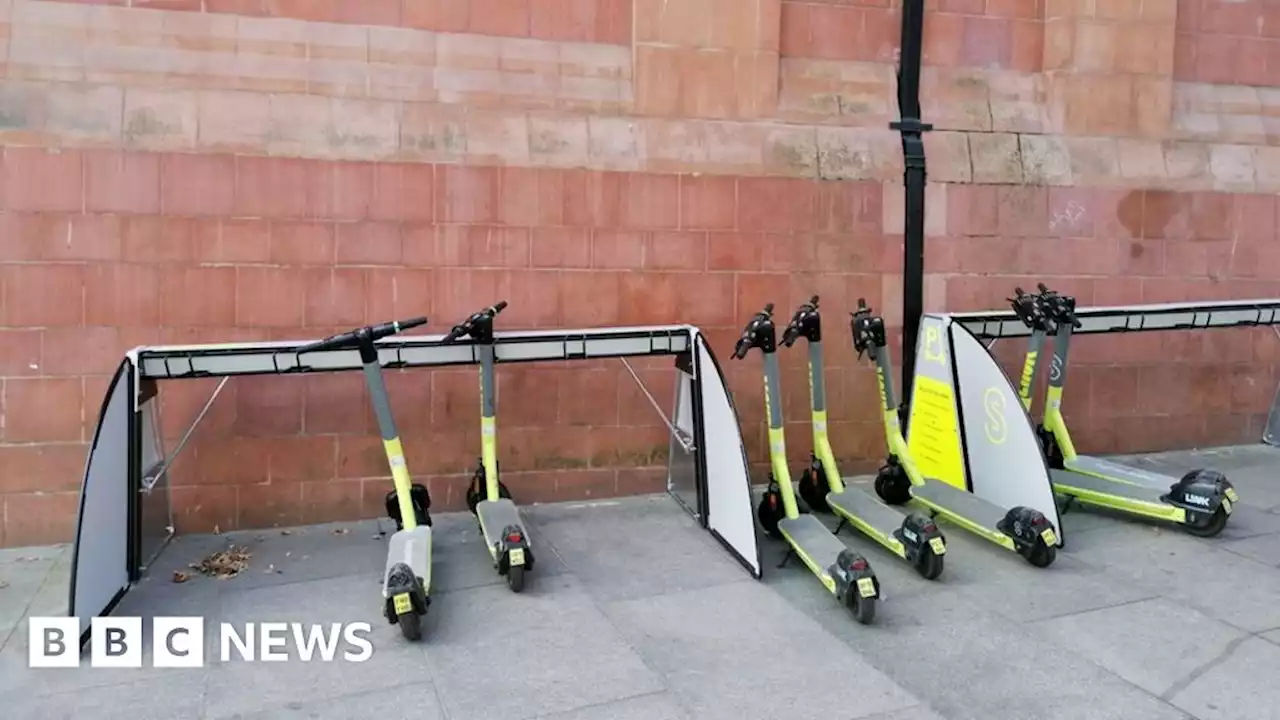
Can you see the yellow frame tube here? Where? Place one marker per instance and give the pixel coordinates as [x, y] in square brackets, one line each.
[1027, 379]
[402, 481]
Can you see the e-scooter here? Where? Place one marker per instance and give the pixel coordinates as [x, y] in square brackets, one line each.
[1020, 529]
[406, 585]
[843, 571]
[489, 500]
[910, 536]
[1200, 501]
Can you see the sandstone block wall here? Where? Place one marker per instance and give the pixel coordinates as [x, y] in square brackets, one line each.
[213, 170]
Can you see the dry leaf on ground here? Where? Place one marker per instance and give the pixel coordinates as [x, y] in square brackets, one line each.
[224, 563]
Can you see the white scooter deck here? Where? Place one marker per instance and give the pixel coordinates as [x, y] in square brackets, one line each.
[1067, 481]
[1114, 473]
[814, 543]
[951, 500]
[413, 548]
[494, 517]
[869, 515]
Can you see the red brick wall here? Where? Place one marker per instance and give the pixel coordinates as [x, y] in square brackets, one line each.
[596, 21]
[253, 172]
[969, 33]
[1228, 41]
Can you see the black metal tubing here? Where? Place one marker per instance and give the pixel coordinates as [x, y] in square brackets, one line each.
[914, 178]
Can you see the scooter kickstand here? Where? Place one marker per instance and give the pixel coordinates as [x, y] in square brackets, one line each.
[790, 552]
[840, 527]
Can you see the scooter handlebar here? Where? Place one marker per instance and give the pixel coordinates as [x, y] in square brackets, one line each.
[499, 307]
[802, 315]
[867, 329]
[352, 338]
[748, 338]
[1060, 308]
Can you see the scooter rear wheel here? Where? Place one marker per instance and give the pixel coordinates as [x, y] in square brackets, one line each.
[863, 609]
[929, 565]
[1216, 524]
[515, 578]
[410, 626]
[1042, 556]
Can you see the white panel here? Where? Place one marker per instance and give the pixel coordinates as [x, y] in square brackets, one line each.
[729, 509]
[1005, 464]
[100, 570]
[684, 403]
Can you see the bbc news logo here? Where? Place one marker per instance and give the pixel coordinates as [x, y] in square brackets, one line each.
[179, 642]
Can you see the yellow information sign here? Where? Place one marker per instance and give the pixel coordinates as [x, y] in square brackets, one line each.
[934, 433]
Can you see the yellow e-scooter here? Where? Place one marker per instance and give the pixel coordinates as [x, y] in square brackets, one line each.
[500, 523]
[1200, 501]
[910, 536]
[842, 570]
[406, 583]
[1020, 529]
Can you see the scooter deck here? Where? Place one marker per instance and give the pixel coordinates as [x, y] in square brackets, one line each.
[413, 548]
[1115, 473]
[814, 544]
[1136, 499]
[496, 515]
[872, 517]
[961, 504]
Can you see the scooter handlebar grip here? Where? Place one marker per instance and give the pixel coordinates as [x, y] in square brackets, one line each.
[412, 323]
[499, 307]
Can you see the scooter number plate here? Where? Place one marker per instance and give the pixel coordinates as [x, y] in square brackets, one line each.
[516, 556]
[939, 547]
[1232, 495]
[1226, 506]
[866, 587]
[403, 604]
[1050, 537]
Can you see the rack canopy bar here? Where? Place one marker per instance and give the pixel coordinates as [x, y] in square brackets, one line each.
[281, 358]
[1135, 318]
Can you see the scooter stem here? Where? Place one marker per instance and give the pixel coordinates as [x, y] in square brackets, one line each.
[488, 422]
[777, 436]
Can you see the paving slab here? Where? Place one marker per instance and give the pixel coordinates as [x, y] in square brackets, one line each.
[740, 650]
[415, 699]
[986, 670]
[175, 695]
[635, 548]
[1264, 549]
[1222, 585]
[497, 655]
[240, 687]
[655, 706]
[1239, 686]
[1154, 644]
